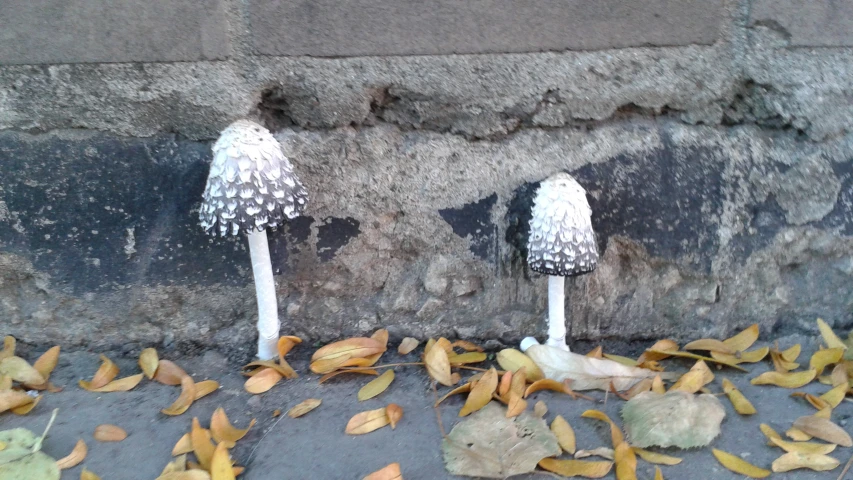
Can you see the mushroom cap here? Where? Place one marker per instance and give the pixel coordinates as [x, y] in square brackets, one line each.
[251, 185]
[561, 240]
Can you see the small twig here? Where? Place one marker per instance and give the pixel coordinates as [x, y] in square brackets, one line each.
[252, 453]
[409, 364]
[846, 468]
[437, 411]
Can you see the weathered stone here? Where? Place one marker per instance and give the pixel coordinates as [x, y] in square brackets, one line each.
[412, 27]
[85, 31]
[806, 23]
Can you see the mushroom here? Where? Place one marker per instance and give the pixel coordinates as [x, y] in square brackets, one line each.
[561, 244]
[251, 187]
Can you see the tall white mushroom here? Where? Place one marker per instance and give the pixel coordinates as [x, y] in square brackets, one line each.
[252, 186]
[561, 244]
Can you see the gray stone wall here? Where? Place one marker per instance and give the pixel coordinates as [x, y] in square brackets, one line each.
[714, 138]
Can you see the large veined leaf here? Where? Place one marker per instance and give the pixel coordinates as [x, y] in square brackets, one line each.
[675, 418]
[22, 458]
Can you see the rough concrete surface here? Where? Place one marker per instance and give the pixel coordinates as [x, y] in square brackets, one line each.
[314, 446]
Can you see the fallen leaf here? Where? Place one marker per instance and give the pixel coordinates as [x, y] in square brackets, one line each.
[105, 374]
[655, 457]
[438, 366]
[696, 378]
[576, 468]
[20, 371]
[515, 405]
[504, 384]
[513, 360]
[11, 399]
[488, 444]
[839, 376]
[467, 346]
[148, 362]
[674, 353]
[615, 432]
[460, 389]
[376, 386]
[710, 345]
[831, 339]
[263, 381]
[389, 472]
[407, 345]
[626, 462]
[739, 465]
[518, 384]
[630, 362]
[221, 429]
[658, 474]
[395, 413]
[184, 445]
[220, 464]
[366, 422]
[649, 418]
[794, 460]
[6, 382]
[585, 373]
[205, 387]
[603, 452]
[785, 380]
[27, 408]
[182, 404]
[202, 445]
[168, 373]
[285, 345]
[791, 354]
[21, 458]
[657, 385]
[797, 435]
[121, 385]
[768, 432]
[334, 355]
[109, 433]
[751, 356]
[547, 384]
[655, 352]
[597, 352]
[177, 465]
[88, 475]
[540, 409]
[284, 369]
[466, 358]
[836, 395]
[804, 447]
[47, 362]
[739, 402]
[744, 339]
[565, 434]
[823, 429]
[815, 401]
[9, 344]
[643, 385]
[77, 455]
[481, 393]
[822, 358]
[304, 407]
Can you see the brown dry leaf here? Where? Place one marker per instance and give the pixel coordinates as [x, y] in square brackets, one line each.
[804, 447]
[186, 398]
[222, 430]
[518, 384]
[389, 472]
[504, 384]
[822, 358]
[376, 386]
[105, 374]
[263, 381]
[148, 362]
[109, 433]
[696, 378]
[460, 389]
[47, 362]
[615, 432]
[27, 408]
[785, 380]
[655, 457]
[9, 344]
[597, 352]
[739, 465]
[626, 462]
[835, 396]
[744, 339]
[395, 413]
[205, 387]
[653, 354]
[630, 362]
[202, 445]
[121, 385]
[792, 353]
[334, 355]
[466, 358]
[831, 339]
[751, 356]
[407, 345]
[839, 376]
[184, 445]
[741, 404]
[512, 360]
[366, 422]
[657, 385]
[643, 385]
[481, 392]
[576, 468]
[304, 407]
[438, 366]
[220, 464]
[768, 432]
[547, 384]
[363, 371]
[77, 455]
[710, 345]
[515, 405]
[565, 434]
[10, 399]
[168, 373]
[467, 346]
[540, 409]
[603, 452]
[673, 353]
[21, 371]
[824, 429]
[285, 345]
[794, 460]
[88, 475]
[284, 369]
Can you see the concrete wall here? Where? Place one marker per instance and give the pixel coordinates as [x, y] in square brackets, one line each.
[714, 137]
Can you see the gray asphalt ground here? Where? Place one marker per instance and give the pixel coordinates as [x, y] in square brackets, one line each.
[315, 446]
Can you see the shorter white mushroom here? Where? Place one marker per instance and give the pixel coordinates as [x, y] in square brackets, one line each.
[561, 244]
[252, 186]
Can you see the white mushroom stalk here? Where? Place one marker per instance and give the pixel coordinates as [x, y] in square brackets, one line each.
[561, 244]
[252, 186]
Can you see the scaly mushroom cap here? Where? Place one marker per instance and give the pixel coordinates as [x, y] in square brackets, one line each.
[561, 240]
[251, 185]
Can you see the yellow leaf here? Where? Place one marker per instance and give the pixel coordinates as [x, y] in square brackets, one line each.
[540, 409]
[512, 360]
[744, 339]
[10, 399]
[304, 407]
[816, 402]
[438, 366]
[576, 468]
[791, 354]
[565, 434]
[603, 452]
[547, 384]
[822, 358]
[768, 432]
[785, 380]
[121, 385]
[655, 352]
[6, 382]
[168, 373]
[467, 346]
[655, 457]
[794, 460]
[460, 389]
[466, 358]
[9, 344]
[515, 405]
[222, 430]
[177, 465]
[105, 374]
[741, 404]
[182, 404]
[88, 475]
[831, 339]
[824, 429]
[77, 455]
[797, 435]
[366, 422]
[626, 462]
[330, 357]
[657, 385]
[285, 345]
[220, 464]
[504, 384]
[202, 445]
[751, 356]
[184, 445]
[47, 362]
[407, 345]
[835, 396]
[21, 371]
[148, 362]
[804, 447]
[284, 369]
[395, 413]
[739, 465]
[673, 353]
[389, 472]
[376, 386]
[481, 393]
[109, 433]
[620, 359]
[710, 345]
[597, 352]
[658, 474]
[692, 381]
[26, 408]
[615, 432]
[263, 381]
[205, 388]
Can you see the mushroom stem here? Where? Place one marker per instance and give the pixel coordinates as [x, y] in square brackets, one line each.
[557, 312]
[268, 324]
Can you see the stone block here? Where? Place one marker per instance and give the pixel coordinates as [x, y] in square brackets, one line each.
[808, 23]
